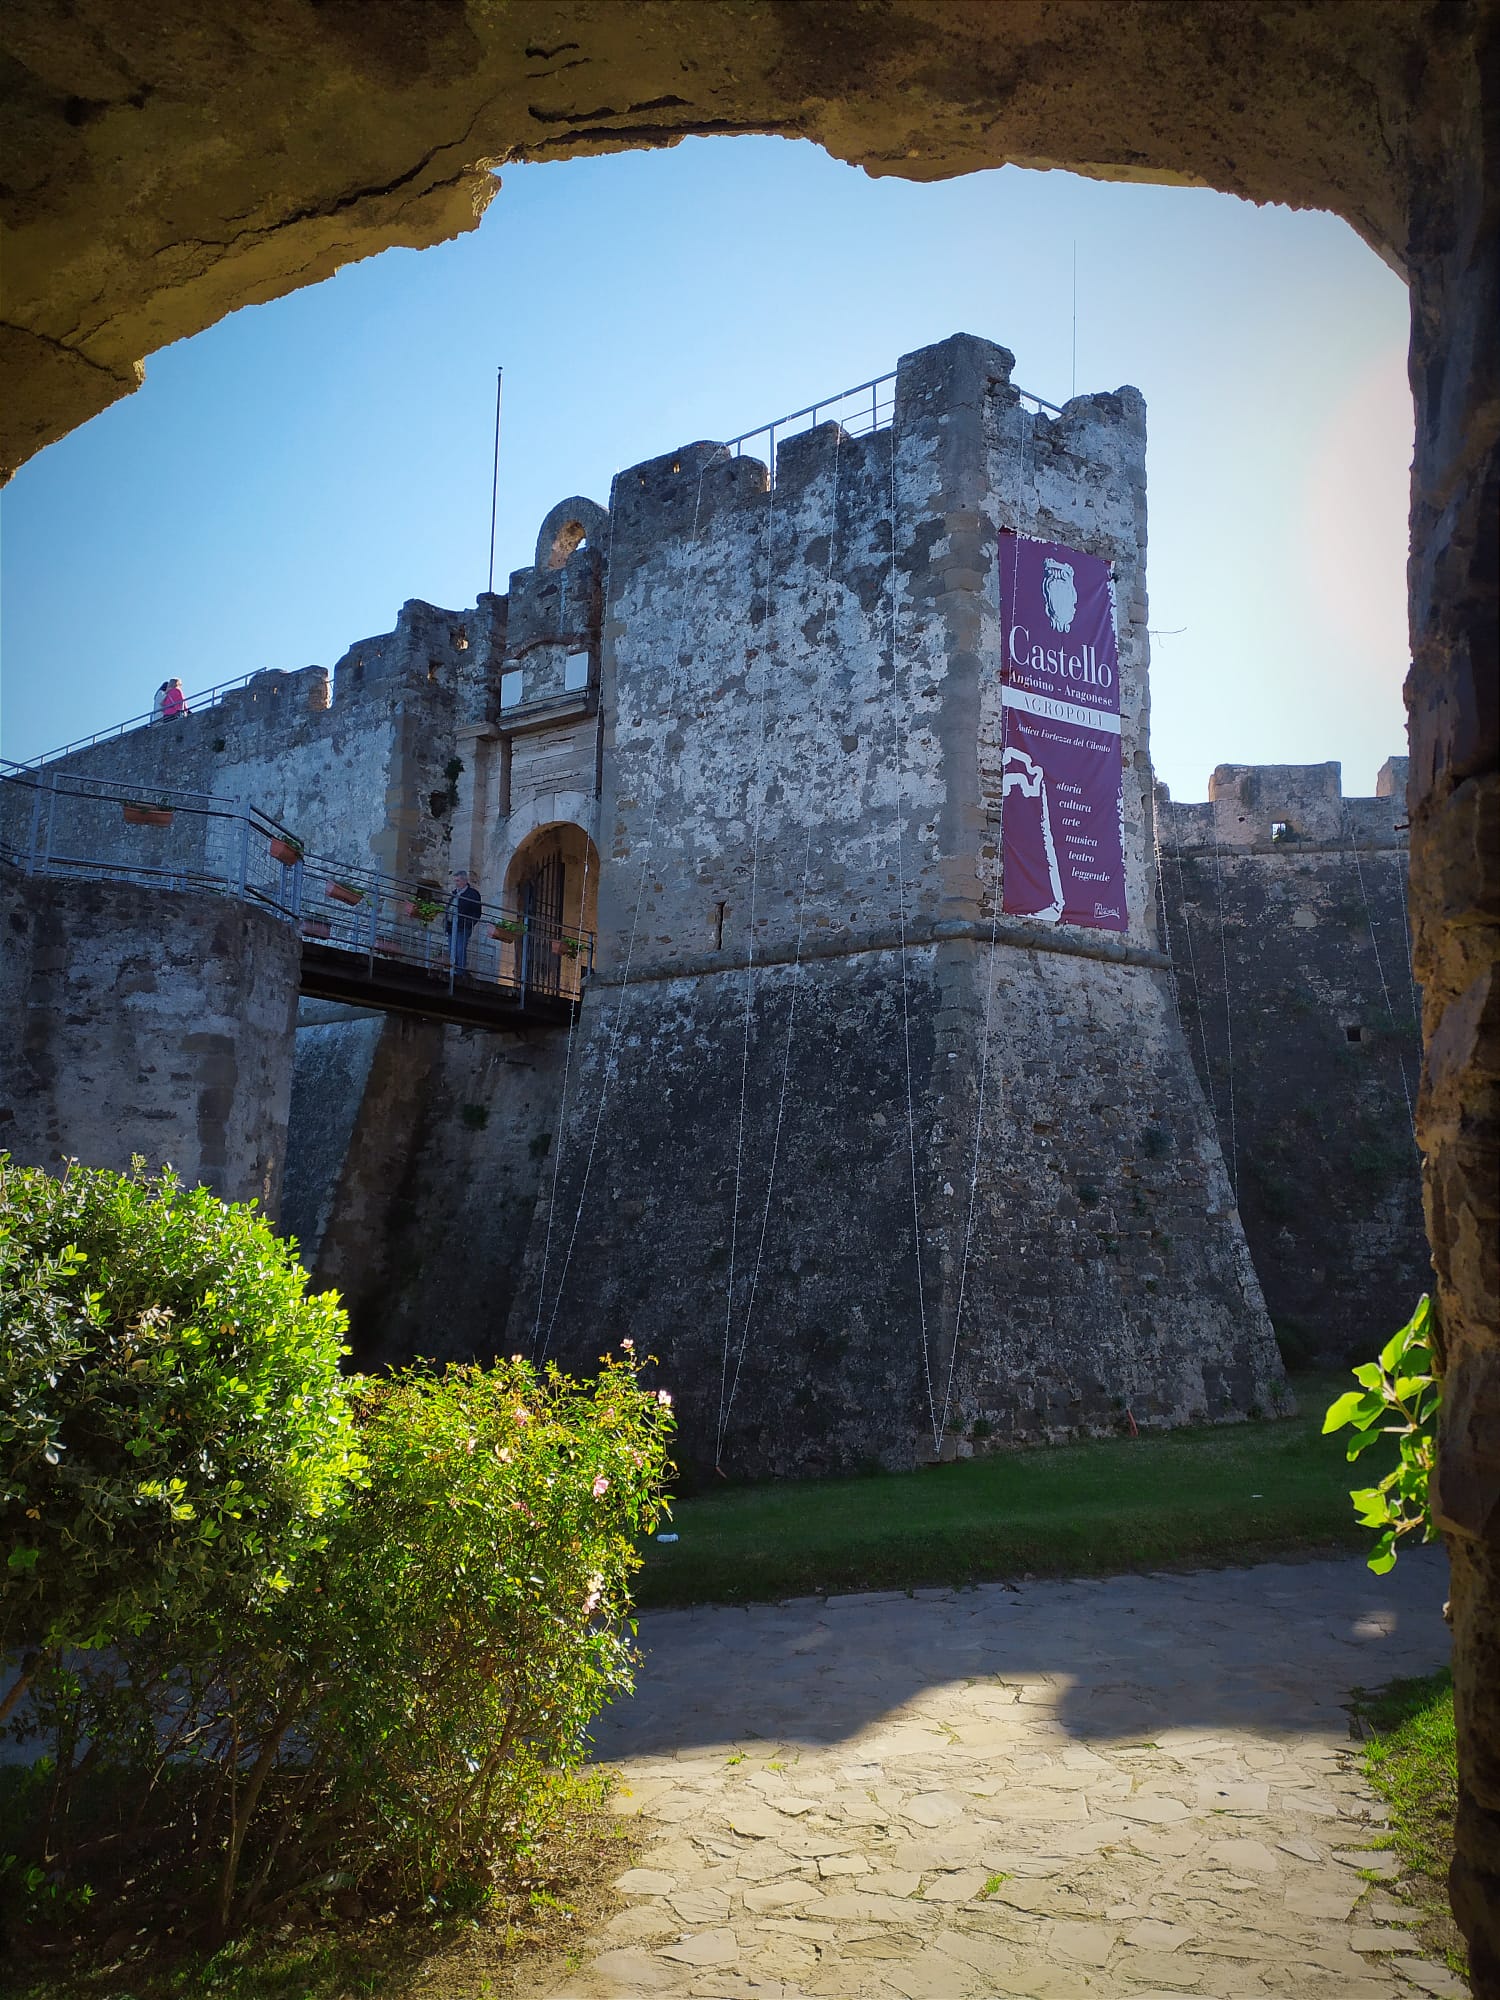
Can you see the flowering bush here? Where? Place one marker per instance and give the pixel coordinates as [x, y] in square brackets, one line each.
[275, 1628]
[478, 1595]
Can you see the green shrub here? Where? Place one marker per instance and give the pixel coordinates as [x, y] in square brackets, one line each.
[172, 1422]
[476, 1603]
[277, 1630]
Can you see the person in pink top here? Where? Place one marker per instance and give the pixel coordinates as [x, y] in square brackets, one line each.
[173, 701]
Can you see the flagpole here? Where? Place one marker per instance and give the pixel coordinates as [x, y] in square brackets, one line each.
[495, 479]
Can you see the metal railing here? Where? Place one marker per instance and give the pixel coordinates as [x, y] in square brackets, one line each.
[61, 823]
[193, 704]
[867, 407]
[394, 921]
[99, 829]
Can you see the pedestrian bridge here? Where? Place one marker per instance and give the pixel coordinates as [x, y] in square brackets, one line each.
[367, 938]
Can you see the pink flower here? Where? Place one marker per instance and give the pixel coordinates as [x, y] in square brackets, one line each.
[601, 1487]
[522, 1416]
[596, 1592]
[664, 1397]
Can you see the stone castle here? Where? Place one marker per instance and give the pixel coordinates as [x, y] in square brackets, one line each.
[880, 1170]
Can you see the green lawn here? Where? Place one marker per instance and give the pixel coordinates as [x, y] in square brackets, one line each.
[1411, 1759]
[1221, 1493]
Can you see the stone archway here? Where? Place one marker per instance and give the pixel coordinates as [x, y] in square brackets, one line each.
[571, 525]
[552, 883]
[171, 176]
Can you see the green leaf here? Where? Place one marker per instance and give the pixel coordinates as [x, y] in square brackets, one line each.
[1361, 1442]
[1368, 1374]
[1352, 1408]
[1408, 1386]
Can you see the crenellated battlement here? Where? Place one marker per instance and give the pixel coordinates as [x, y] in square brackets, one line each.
[1282, 808]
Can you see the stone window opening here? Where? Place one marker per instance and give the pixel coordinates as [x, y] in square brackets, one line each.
[434, 668]
[719, 910]
[1355, 1033]
[569, 539]
[1280, 830]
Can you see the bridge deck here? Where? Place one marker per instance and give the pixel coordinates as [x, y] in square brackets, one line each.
[396, 986]
[368, 939]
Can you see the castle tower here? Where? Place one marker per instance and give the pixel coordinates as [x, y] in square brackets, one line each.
[879, 1131]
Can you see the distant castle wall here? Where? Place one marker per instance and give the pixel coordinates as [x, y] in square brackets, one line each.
[1285, 908]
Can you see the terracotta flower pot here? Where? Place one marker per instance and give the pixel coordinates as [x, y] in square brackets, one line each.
[507, 933]
[316, 927]
[287, 852]
[341, 892]
[136, 815]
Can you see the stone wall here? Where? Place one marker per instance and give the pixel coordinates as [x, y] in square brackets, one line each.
[1285, 908]
[802, 962]
[415, 1158]
[139, 1022]
[362, 771]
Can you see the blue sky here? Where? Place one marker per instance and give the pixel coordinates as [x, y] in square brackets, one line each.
[287, 479]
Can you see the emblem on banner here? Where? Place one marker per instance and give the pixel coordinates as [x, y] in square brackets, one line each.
[1059, 592]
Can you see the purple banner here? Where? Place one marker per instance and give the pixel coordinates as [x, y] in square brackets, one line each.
[1061, 814]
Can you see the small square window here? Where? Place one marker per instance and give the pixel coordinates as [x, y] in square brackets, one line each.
[511, 686]
[1280, 830]
[1355, 1034]
[575, 673]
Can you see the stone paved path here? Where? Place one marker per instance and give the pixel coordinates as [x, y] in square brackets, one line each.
[1142, 1786]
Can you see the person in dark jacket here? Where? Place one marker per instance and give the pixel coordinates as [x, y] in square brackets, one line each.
[463, 914]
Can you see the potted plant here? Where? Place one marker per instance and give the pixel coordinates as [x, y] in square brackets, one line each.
[140, 812]
[287, 849]
[345, 892]
[506, 927]
[565, 947]
[316, 927]
[422, 909]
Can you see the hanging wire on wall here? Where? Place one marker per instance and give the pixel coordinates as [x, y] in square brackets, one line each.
[658, 786]
[727, 1402]
[757, 781]
[1234, 1148]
